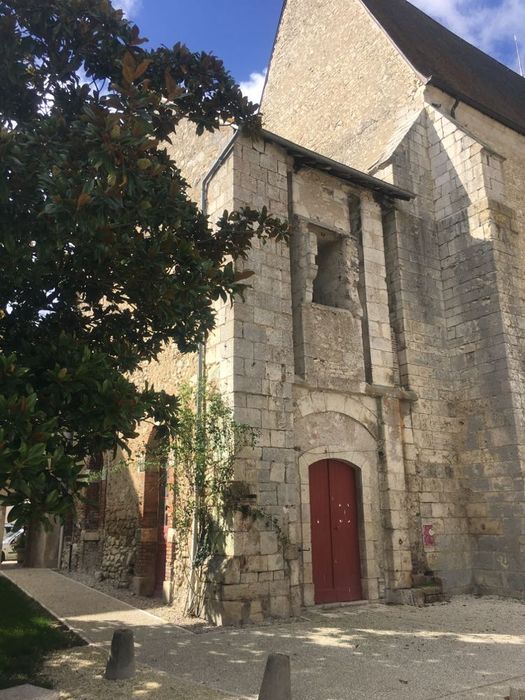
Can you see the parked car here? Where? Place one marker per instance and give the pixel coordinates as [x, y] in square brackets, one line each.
[11, 539]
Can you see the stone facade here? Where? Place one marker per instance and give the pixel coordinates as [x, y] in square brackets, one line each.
[455, 252]
[387, 335]
[307, 392]
[453, 270]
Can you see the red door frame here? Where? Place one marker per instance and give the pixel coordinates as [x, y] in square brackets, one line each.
[165, 511]
[336, 560]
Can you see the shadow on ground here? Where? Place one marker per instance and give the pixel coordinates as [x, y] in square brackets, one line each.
[371, 651]
[469, 648]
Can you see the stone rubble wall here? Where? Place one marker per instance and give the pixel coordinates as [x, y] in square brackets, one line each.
[119, 551]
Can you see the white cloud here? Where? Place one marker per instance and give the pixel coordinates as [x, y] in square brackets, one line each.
[253, 87]
[489, 25]
[130, 7]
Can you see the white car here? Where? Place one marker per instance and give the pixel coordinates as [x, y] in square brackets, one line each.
[11, 537]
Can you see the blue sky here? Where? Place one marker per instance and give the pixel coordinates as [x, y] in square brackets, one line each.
[241, 32]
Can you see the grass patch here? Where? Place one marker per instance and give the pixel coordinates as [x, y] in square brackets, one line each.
[27, 634]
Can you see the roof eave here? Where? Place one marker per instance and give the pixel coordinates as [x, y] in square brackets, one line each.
[340, 170]
[445, 87]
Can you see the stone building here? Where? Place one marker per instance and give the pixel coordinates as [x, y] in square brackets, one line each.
[380, 354]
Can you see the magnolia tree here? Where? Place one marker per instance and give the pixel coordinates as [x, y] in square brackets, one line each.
[104, 259]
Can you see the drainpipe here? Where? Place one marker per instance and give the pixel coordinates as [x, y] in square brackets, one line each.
[2, 522]
[201, 368]
[60, 547]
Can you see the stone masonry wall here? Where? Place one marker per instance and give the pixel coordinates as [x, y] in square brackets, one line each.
[346, 401]
[485, 294]
[336, 85]
[418, 316]
[256, 581]
[300, 420]
[457, 308]
[332, 410]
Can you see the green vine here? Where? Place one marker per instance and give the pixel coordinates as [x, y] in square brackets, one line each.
[207, 443]
[202, 462]
[198, 464]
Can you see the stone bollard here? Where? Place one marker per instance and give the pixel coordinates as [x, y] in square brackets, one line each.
[277, 684]
[121, 662]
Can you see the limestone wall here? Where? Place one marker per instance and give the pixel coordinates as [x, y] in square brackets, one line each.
[256, 579]
[484, 288]
[417, 314]
[306, 409]
[457, 310]
[336, 84]
[327, 311]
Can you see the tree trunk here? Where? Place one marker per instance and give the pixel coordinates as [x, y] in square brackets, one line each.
[41, 550]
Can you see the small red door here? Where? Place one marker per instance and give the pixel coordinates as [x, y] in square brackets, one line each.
[335, 538]
[162, 534]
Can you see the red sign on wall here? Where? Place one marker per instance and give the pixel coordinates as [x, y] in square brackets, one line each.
[428, 536]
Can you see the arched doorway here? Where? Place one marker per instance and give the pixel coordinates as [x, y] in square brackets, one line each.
[336, 560]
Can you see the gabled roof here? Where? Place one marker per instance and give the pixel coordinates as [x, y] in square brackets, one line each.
[452, 64]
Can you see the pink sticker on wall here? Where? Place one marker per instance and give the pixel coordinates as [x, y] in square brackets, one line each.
[428, 535]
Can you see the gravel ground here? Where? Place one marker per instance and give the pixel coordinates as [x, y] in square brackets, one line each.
[78, 675]
[170, 613]
[467, 649]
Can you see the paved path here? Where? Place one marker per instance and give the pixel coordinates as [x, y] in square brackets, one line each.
[470, 648]
[91, 613]
[28, 692]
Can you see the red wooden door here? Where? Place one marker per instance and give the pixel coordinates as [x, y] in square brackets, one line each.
[162, 534]
[335, 537]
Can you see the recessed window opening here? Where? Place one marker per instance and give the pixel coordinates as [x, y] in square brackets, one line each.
[329, 287]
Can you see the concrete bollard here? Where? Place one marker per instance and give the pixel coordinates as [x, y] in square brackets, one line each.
[277, 684]
[121, 662]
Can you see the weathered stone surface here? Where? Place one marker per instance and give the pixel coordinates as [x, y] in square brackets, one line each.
[121, 662]
[387, 335]
[277, 684]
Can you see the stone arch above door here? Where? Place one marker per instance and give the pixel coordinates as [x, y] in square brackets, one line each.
[332, 435]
